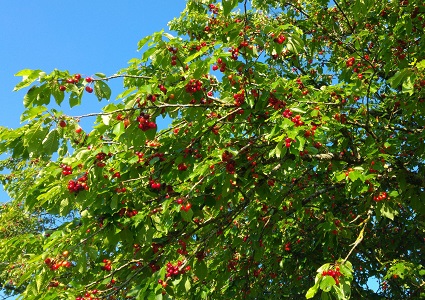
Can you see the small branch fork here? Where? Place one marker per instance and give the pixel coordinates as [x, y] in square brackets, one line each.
[361, 234]
[122, 76]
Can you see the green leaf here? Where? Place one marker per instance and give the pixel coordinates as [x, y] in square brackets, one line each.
[187, 215]
[187, 285]
[75, 99]
[28, 77]
[400, 77]
[142, 42]
[119, 129]
[58, 94]
[32, 112]
[327, 283]
[114, 202]
[201, 269]
[102, 90]
[196, 54]
[51, 142]
[312, 291]
[228, 5]
[387, 211]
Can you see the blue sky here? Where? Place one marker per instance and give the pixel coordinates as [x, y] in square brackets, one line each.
[83, 37]
[80, 36]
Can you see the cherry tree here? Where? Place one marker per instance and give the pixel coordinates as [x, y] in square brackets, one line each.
[292, 167]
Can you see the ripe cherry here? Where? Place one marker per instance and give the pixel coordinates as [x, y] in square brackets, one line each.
[62, 88]
[89, 89]
[62, 123]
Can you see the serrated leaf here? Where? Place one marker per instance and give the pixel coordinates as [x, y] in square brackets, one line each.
[196, 54]
[64, 207]
[27, 79]
[228, 5]
[32, 113]
[187, 215]
[100, 75]
[297, 110]
[201, 269]
[326, 283]
[114, 202]
[388, 211]
[399, 77]
[75, 99]
[312, 291]
[340, 176]
[118, 129]
[102, 90]
[142, 42]
[58, 95]
[106, 119]
[187, 285]
[51, 142]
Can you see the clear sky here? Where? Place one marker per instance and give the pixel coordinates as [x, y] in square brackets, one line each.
[80, 36]
[83, 37]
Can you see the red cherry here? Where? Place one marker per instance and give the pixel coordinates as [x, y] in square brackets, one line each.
[62, 88]
[89, 89]
[62, 124]
[77, 77]
[89, 79]
[78, 130]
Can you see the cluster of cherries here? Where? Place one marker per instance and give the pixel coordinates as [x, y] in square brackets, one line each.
[182, 250]
[276, 103]
[182, 167]
[380, 197]
[66, 170]
[280, 39]
[174, 56]
[128, 212]
[220, 65]
[239, 98]
[76, 79]
[213, 9]
[106, 265]
[183, 207]
[234, 52]
[287, 113]
[230, 163]
[174, 270]
[156, 247]
[155, 185]
[54, 264]
[144, 123]
[193, 86]
[100, 159]
[334, 273]
[75, 186]
[88, 295]
[350, 62]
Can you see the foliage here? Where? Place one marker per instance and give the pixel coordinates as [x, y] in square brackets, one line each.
[293, 165]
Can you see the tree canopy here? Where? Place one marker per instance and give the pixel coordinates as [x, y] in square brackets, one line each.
[292, 166]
